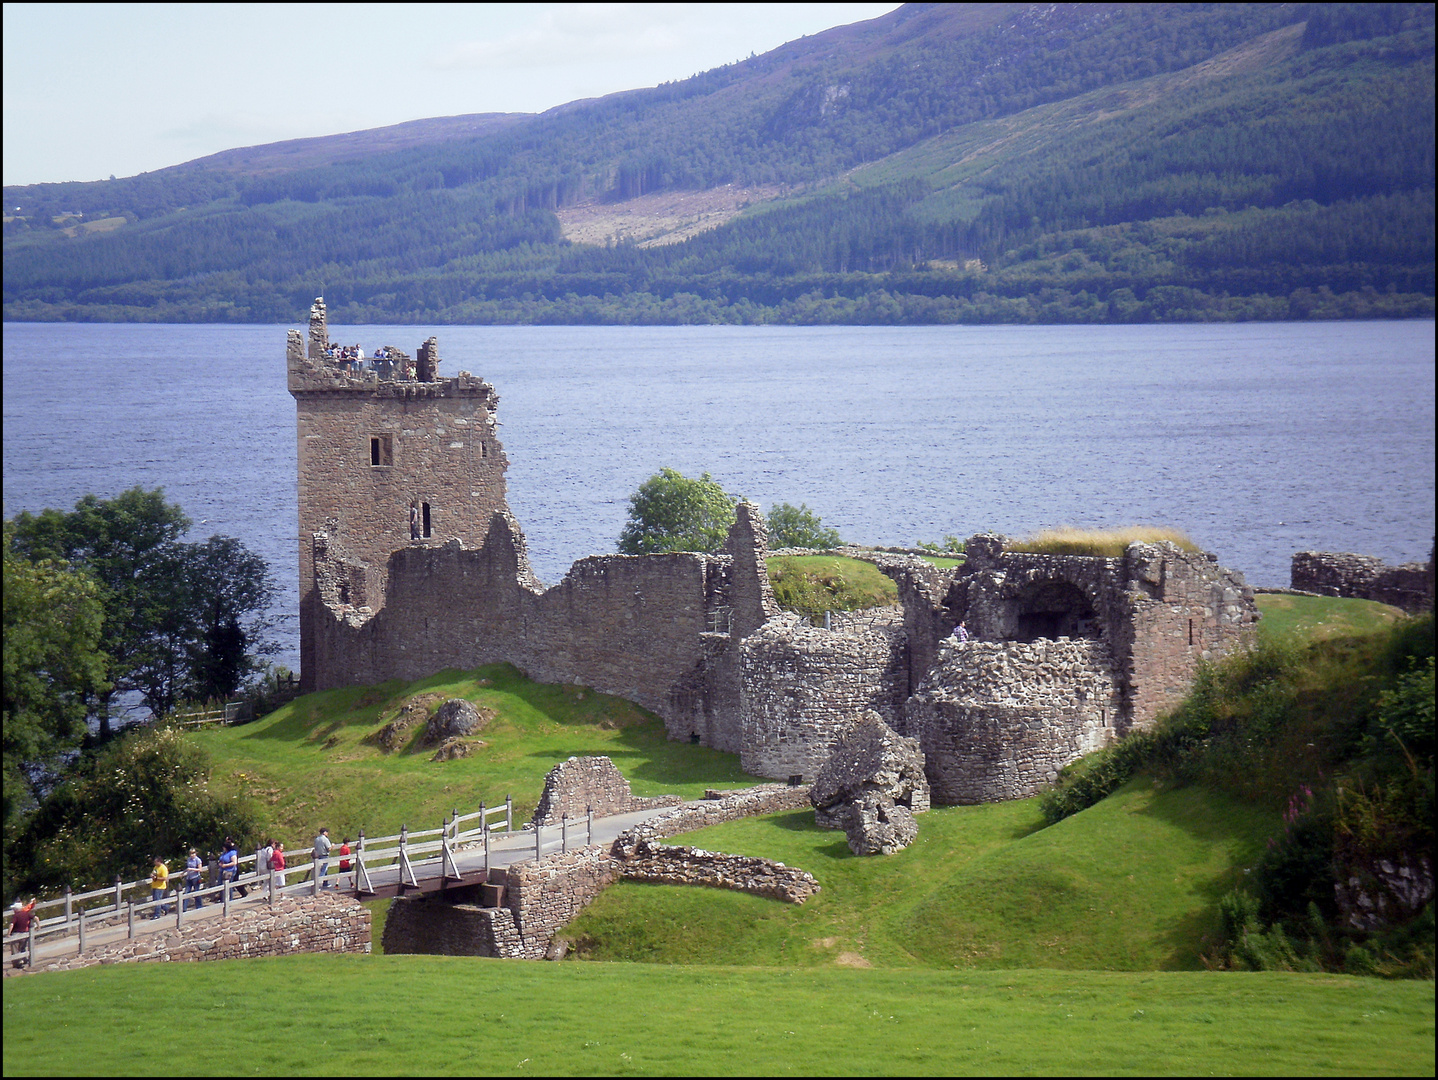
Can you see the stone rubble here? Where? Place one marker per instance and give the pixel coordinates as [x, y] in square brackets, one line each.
[871, 787]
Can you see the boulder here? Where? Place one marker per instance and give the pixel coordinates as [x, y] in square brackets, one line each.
[871, 787]
[452, 720]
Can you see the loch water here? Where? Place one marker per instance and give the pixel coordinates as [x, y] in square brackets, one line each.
[1257, 439]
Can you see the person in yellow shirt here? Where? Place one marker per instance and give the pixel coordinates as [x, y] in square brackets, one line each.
[159, 883]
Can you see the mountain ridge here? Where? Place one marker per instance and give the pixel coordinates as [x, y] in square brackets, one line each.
[812, 181]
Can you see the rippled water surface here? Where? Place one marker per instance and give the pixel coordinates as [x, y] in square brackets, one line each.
[1258, 439]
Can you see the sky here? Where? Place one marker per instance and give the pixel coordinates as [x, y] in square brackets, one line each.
[95, 90]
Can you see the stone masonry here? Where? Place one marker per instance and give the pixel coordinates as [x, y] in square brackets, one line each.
[1075, 649]
[1327, 573]
[584, 784]
[325, 924]
[541, 897]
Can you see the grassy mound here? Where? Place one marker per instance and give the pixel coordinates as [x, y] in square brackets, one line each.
[435, 1015]
[1315, 618]
[1132, 884]
[811, 584]
[320, 760]
[1109, 543]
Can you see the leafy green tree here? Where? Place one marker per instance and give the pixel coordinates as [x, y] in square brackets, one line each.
[671, 512]
[52, 665]
[144, 794]
[181, 620]
[799, 527]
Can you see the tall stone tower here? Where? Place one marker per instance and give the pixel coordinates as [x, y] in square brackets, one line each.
[388, 457]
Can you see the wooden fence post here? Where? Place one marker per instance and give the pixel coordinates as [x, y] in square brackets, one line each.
[508, 814]
[67, 905]
[82, 933]
[118, 900]
[225, 899]
[538, 828]
[130, 920]
[564, 832]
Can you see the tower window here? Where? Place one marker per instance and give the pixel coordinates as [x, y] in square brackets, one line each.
[381, 450]
[425, 510]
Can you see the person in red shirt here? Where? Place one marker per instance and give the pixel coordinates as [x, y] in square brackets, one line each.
[344, 860]
[20, 918]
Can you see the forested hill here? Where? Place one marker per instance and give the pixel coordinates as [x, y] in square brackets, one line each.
[943, 163]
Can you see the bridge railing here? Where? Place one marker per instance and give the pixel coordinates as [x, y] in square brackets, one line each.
[427, 853]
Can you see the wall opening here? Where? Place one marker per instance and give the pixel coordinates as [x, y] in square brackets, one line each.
[381, 451]
[1054, 609]
[425, 514]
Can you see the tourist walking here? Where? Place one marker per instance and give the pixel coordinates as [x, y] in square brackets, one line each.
[322, 857]
[192, 881]
[159, 885]
[20, 919]
[230, 867]
[262, 865]
[277, 865]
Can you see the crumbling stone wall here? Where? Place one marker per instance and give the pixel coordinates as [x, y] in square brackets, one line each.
[997, 720]
[1184, 609]
[801, 687]
[368, 448]
[727, 806]
[328, 923]
[584, 784]
[1330, 573]
[662, 864]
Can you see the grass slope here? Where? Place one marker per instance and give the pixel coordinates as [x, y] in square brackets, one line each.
[1316, 618]
[1130, 884]
[357, 1015]
[309, 764]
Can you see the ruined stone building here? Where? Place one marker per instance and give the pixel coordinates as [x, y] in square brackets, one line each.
[410, 562]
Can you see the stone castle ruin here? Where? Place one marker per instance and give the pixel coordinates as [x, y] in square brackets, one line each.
[411, 562]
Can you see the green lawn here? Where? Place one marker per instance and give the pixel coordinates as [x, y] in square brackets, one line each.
[1130, 884]
[359, 1015]
[308, 763]
[812, 583]
[1314, 618]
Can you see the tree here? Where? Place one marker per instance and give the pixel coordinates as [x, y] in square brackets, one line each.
[799, 527]
[145, 793]
[181, 620]
[671, 512]
[52, 666]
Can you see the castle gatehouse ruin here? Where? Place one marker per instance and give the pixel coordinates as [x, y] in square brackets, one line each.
[411, 562]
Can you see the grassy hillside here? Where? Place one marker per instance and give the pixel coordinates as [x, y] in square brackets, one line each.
[309, 765]
[943, 163]
[1131, 884]
[430, 1015]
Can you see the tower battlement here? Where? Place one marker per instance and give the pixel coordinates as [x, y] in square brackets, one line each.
[390, 455]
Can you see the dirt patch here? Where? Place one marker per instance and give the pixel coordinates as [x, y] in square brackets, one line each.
[666, 217]
[851, 959]
[417, 710]
[825, 942]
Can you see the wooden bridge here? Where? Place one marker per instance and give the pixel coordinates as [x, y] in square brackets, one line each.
[463, 851]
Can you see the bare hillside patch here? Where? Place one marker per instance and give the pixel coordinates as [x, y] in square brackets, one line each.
[666, 217]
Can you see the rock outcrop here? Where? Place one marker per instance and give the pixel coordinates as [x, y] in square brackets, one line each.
[871, 787]
[454, 719]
